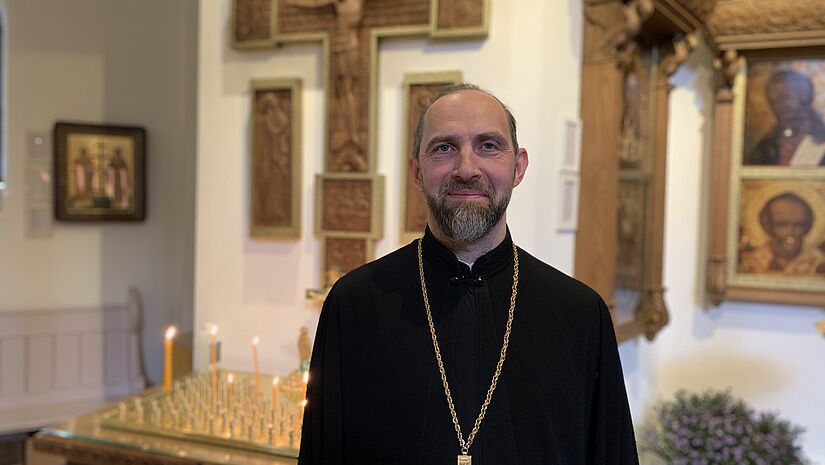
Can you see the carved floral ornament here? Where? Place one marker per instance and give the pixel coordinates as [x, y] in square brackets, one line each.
[701, 9]
[725, 18]
[625, 24]
[740, 17]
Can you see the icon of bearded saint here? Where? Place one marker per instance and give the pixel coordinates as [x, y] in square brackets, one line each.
[787, 219]
[798, 136]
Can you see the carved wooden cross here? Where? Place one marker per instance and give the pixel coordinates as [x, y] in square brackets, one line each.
[349, 31]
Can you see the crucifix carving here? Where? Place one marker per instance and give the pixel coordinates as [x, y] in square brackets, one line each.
[349, 31]
[347, 138]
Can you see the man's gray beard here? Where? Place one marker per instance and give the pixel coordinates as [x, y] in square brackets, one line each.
[467, 222]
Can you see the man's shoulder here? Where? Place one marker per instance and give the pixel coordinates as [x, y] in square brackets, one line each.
[379, 271]
[546, 278]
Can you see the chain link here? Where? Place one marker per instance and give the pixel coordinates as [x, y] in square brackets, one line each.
[465, 444]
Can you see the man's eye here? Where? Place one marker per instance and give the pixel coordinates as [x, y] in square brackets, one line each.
[443, 148]
[488, 146]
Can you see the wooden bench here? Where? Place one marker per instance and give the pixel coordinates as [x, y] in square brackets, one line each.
[59, 363]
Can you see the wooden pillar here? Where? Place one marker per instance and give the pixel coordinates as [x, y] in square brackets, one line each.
[601, 107]
[652, 310]
[726, 68]
[631, 48]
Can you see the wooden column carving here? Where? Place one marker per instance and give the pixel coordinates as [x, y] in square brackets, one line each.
[630, 51]
[600, 106]
[727, 65]
[652, 309]
[609, 29]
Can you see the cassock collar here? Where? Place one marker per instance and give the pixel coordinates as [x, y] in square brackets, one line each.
[444, 260]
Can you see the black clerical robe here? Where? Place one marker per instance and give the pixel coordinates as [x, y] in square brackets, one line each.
[375, 394]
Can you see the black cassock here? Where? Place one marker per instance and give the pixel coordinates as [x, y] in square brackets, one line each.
[375, 394]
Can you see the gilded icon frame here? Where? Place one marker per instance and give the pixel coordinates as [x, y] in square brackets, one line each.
[99, 172]
[758, 266]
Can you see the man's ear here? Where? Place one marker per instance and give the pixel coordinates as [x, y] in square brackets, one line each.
[522, 160]
[414, 170]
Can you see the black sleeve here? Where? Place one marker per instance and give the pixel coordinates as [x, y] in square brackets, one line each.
[612, 441]
[321, 434]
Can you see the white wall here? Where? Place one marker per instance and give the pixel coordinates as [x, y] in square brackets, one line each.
[256, 288]
[770, 355]
[104, 61]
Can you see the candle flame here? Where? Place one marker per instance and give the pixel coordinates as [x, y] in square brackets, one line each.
[230, 378]
[303, 403]
[255, 341]
[275, 381]
[306, 377]
[214, 330]
[170, 333]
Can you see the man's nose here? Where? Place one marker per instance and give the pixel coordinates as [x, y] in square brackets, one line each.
[466, 166]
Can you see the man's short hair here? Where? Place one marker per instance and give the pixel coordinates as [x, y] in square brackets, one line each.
[765, 214]
[798, 82]
[419, 129]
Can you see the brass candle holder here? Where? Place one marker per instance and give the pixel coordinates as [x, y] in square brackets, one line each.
[230, 415]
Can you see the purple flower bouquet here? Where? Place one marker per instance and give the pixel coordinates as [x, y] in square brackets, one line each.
[716, 428]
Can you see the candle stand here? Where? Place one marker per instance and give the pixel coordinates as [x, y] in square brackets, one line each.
[229, 414]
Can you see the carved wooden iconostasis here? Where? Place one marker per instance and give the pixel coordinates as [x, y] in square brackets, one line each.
[631, 48]
[766, 240]
[349, 32]
[767, 208]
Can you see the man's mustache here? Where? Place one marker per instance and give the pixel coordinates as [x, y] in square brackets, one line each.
[480, 186]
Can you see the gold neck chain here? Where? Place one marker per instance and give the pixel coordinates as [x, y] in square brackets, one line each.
[465, 444]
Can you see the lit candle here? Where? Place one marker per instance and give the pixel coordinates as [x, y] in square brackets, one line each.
[230, 380]
[213, 357]
[255, 341]
[167, 360]
[303, 406]
[306, 382]
[275, 381]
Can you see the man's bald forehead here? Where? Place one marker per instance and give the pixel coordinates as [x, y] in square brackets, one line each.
[456, 89]
[453, 97]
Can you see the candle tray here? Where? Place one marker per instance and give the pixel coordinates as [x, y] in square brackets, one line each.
[216, 412]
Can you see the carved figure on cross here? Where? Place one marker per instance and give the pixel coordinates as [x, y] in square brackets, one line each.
[344, 45]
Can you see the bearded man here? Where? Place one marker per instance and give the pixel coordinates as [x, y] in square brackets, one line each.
[461, 347]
